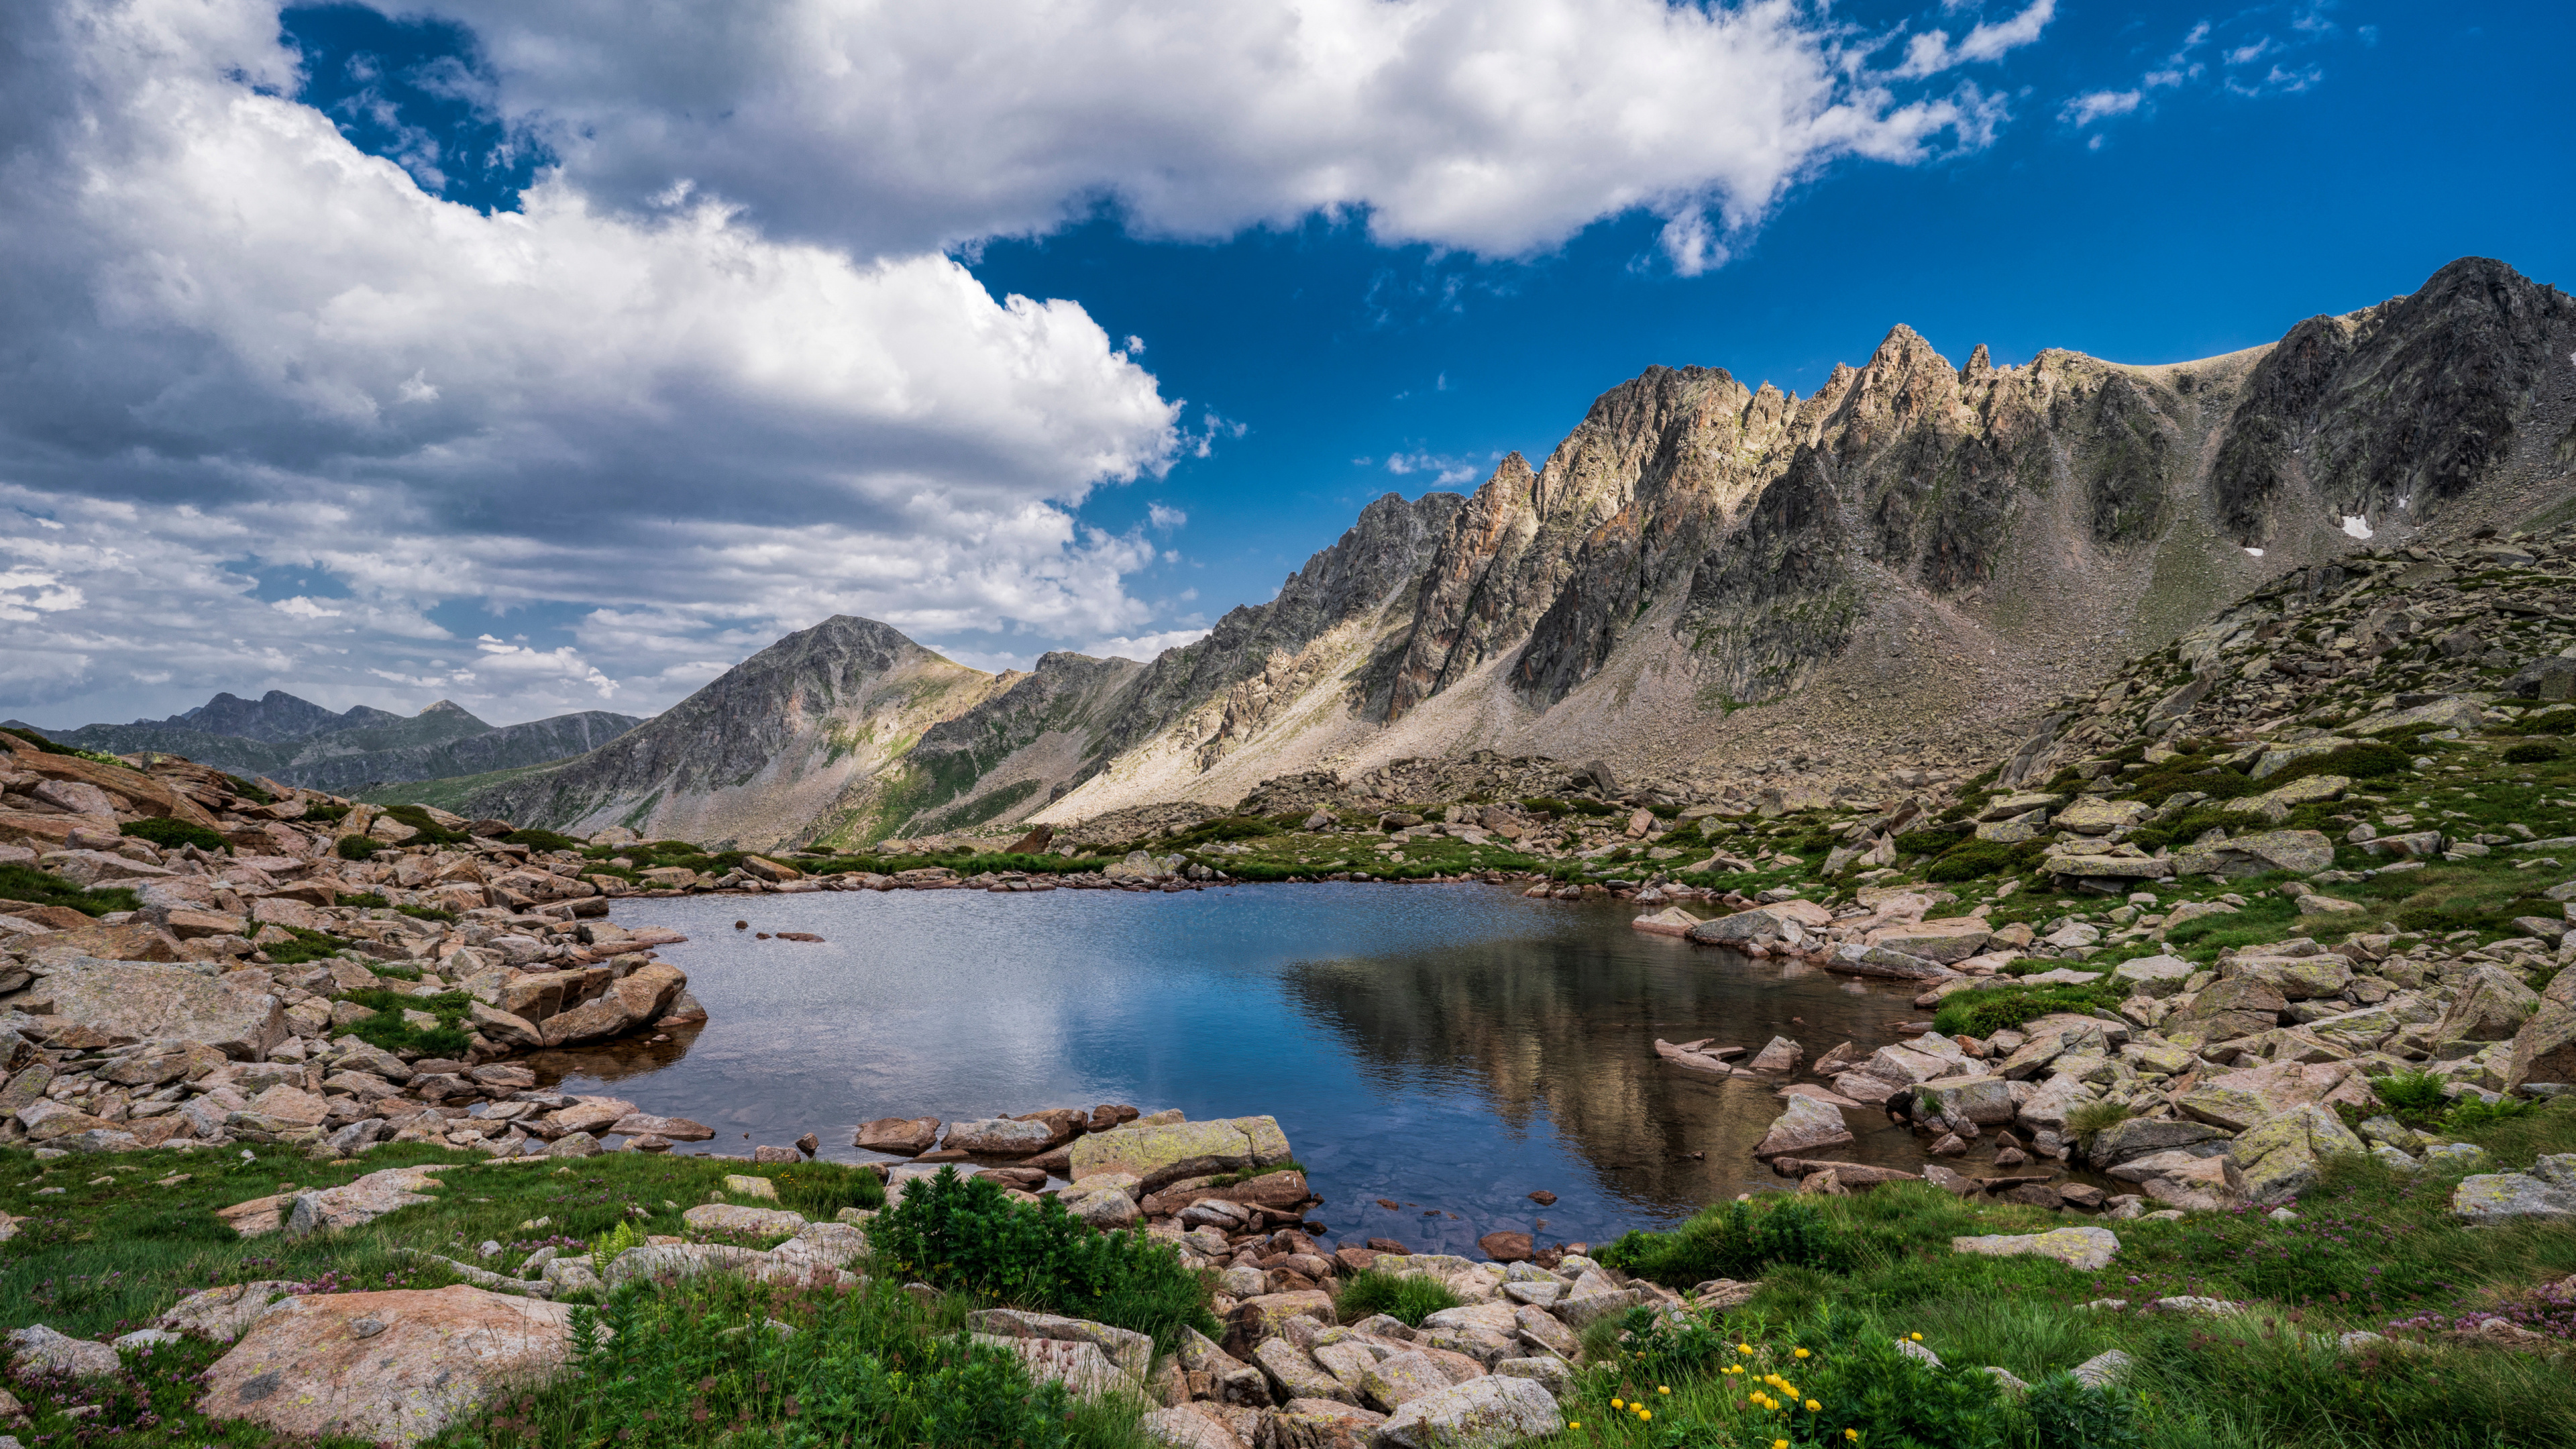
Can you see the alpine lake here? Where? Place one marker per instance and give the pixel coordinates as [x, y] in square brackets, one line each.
[1448, 1049]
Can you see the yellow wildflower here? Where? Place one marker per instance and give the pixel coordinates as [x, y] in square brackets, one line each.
[1645, 1413]
[1802, 1353]
[1918, 1338]
[1744, 1348]
[1659, 1388]
[1813, 1406]
[1851, 1434]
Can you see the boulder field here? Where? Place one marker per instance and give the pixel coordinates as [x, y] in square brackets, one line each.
[172, 1023]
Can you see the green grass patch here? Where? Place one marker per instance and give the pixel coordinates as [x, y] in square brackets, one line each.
[307, 946]
[820, 1190]
[431, 832]
[44, 888]
[2264, 917]
[389, 1030]
[1983, 1011]
[1408, 1300]
[1736, 1240]
[546, 840]
[721, 1362]
[1976, 859]
[170, 834]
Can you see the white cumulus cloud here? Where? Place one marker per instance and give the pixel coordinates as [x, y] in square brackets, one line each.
[1500, 127]
[1145, 649]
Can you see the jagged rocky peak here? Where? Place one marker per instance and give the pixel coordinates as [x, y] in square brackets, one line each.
[2389, 413]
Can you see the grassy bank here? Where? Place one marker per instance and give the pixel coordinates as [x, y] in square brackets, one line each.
[106, 1243]
[2370, 1251]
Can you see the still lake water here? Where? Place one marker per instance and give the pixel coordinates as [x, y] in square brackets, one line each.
[1447, 1047]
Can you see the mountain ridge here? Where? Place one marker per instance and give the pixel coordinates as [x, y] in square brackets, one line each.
[1704, 578]
[301, 743]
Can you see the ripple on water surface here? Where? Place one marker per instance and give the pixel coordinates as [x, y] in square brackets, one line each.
[1446, 1048]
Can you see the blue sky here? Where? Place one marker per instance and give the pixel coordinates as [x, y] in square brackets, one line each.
[660, 342]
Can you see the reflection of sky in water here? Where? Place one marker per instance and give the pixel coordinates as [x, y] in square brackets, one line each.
[1450, 1048]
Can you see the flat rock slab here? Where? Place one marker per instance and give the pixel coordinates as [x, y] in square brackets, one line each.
[221, 1314]
[39, 1350]
[725, 1217]
[677, 1129]
[1082, 1368]
[1168, 1152]
[1131, 1352]
[2087, 1249]
[1807, 1125]
[363, 1201]
[1482, 1413]
[2495, 1197]
[141, 1001]
[393, 1368]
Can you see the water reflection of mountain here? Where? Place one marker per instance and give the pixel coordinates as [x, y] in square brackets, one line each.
[1559, 1030]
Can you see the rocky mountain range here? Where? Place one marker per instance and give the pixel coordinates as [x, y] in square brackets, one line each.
[301, 743]
[1703, 581]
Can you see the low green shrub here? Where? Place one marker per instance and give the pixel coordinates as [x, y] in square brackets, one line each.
[388, 1028]
[1971, 860]
[307, 946]
[358, 847]
[248, 791]
[2186, 827]
[1858, 1378]
[536, 839]
[1934, 841]
[1407, 1300]
[431, 832]
[1733, 1240]
[963, 1234]
[2532, 752]
[2409, 1091]
[1986, 1010]
[326, 814]
[2087, 1120]
[171, 834]
[44, 888]
[2067, 1413]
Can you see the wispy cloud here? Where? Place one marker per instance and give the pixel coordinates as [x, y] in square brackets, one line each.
[2242, 64]
[1446, 471]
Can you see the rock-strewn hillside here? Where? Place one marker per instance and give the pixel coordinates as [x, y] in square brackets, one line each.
[1706, 578]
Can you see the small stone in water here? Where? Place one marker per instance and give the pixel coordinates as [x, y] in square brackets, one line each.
[1543, 1198]
[742, 925]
